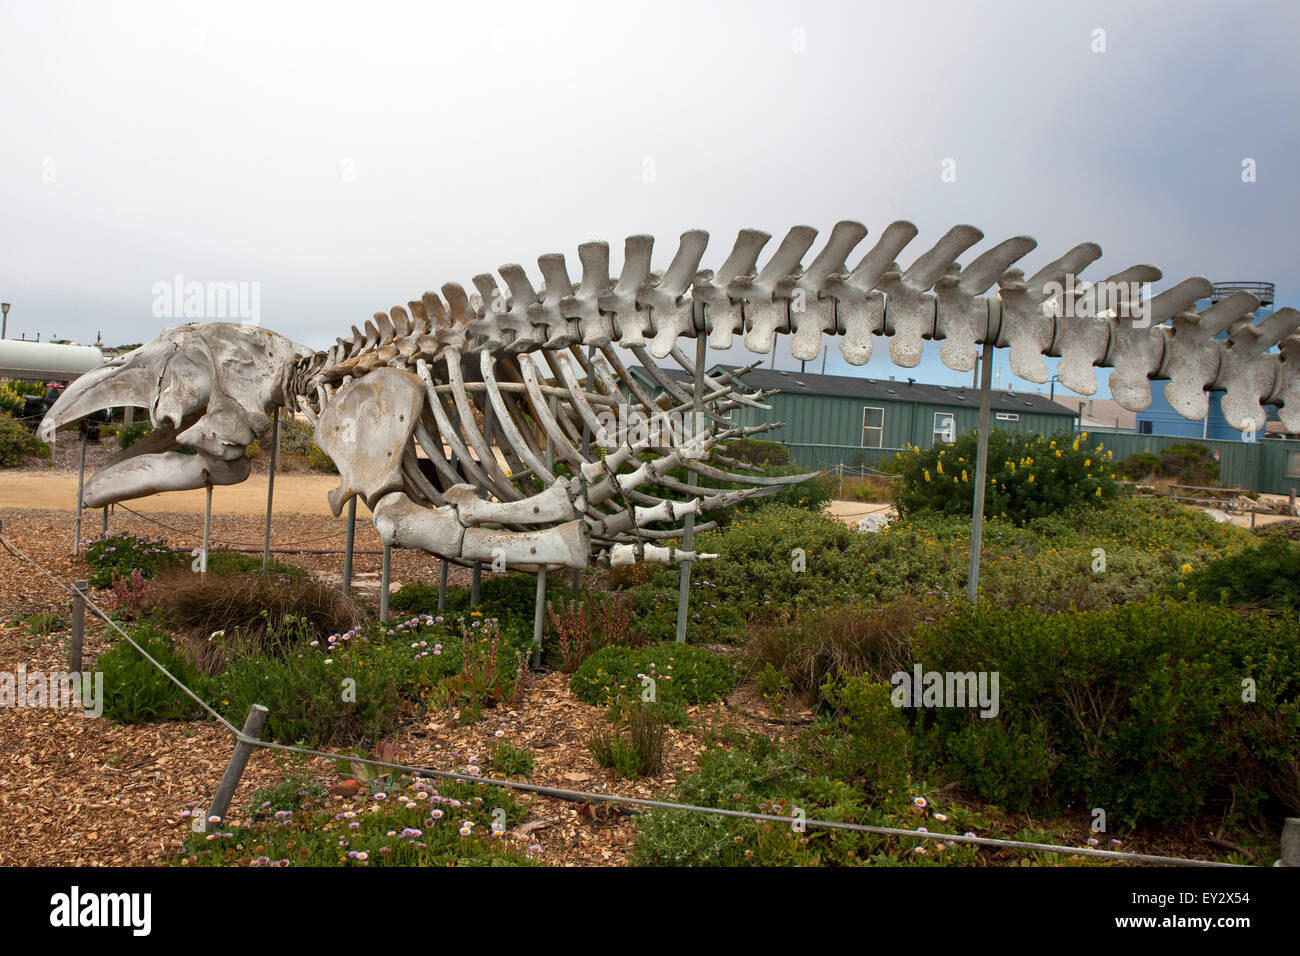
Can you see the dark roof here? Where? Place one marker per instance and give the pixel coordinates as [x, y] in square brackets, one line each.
[953, 396]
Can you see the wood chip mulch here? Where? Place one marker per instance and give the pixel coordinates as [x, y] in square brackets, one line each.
[89, 792]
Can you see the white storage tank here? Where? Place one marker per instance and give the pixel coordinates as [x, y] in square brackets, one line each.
[47, 361]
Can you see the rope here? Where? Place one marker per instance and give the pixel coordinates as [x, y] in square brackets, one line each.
[242, 544]
[586, 796]
[18, 552]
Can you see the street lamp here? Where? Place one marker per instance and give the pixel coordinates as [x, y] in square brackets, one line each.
[4, 329]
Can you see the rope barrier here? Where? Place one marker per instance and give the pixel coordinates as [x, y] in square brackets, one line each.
[242, 544]
[587, 796]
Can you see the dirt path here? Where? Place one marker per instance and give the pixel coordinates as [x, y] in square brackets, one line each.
[294, 494]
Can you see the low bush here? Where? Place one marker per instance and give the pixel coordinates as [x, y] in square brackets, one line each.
[634, 747]
[510, 761]
[491, 673]
[419, 824]
[1266, 577]
[1029, 476]
[671, 673]
[17, 443]
[128, 435]
[581, 628]
[135, 691]
[853, 639]
[215, 615]
[1153, 711]
[752, 451]
[348, 697]
[120, 555]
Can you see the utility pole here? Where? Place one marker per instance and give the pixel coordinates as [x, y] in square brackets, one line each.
[4, 328]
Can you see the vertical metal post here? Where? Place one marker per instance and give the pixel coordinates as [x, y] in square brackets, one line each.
[238, 761]
[347, 546]
[383, 583]
[81, 484]
[78, 625]
[697, 406]
[207, 527]
[270, 490]
[539, 606]
[442, 587]
[981, 471]
[103, 525]
[586, 450]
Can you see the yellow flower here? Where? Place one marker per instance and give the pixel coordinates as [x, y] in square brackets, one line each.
[963, 475]
[1087, 463]
[939, 467]
[1186, 569]
[1031, 479]
[927, 474]
[1098, 492]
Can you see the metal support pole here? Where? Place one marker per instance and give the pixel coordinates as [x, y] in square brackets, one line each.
[981, 471]
[270, 489]
[697, 406]
[586, 451]
[81, 484]
[475, 580]
[539, 605]
[442, 587]
[207, 528]
[78, 626]
[238, 761]
[347, 547]
[103, 525]
[383, 583]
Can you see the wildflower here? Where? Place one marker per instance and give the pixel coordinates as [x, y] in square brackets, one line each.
[919, 802]
[942, 818]
[1186, 569]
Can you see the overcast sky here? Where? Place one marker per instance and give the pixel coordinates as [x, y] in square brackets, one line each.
[349, 156]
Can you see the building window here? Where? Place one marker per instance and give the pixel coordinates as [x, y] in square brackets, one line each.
[873, 427]
[1293, 464]
[945, 428]
[1008, 417]
[1144, 428]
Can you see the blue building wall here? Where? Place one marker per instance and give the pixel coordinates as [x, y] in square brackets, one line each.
[1160, 418]
[1163, 420]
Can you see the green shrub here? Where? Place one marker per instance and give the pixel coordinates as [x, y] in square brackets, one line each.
[1029, 475]
[119, 555]
[680, 673]
[1137, 709]
[419, 824]
[137, 692]
[634, 747]
[224, 564]
[16, 443]
[311, 699]
[215, 616]
[582, 628]
[755, 452]
[317, 460]
[1266, 577]
[1139, 466]
[510, 761]
[853, 639]
[866, 742]
[128, 435]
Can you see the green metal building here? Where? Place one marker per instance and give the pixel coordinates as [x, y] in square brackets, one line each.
[834, 419]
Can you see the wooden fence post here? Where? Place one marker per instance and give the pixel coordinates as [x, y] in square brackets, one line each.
[238, 761]
[78, 625]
